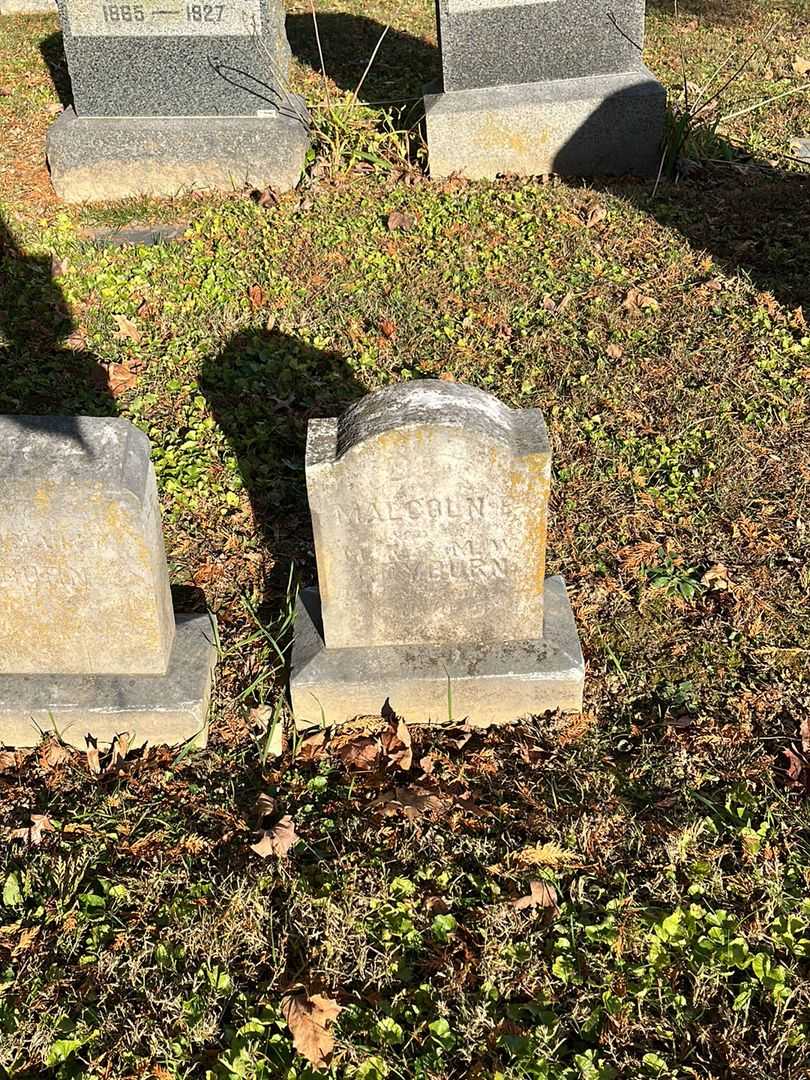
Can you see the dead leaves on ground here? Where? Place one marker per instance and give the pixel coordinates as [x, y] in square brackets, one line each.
[364, 745]
[277, 840]
[276, 837]
[401, 222]
[309, 1020]
[33, 832]
[541, 895]
[798, 760]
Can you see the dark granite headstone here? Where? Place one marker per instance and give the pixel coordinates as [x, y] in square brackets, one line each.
[492, 43]
[163, 74]
[542, 87]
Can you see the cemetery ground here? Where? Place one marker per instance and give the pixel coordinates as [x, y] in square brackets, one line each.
[621, 894]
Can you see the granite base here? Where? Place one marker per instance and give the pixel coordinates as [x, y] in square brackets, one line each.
[606, 125]
[170, 708]
[100, 158]
[484, 684]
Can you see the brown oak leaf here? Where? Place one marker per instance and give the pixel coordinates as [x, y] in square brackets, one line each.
[32, 833]
[126, 329]
[308, 1019]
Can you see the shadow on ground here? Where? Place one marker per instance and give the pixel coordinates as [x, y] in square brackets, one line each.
[40, 376]
[712, 12]
[401, 68]
[52, 50]
[263, 389]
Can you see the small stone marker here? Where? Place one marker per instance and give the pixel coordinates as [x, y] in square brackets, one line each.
[800, 148]
[176, 96]
[429, 504]
[88, 638]
[549, 86]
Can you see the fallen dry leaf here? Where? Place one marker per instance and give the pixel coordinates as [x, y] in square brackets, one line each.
[636, 303]
[312, 747]
[541, 895]
[388, 328]
[58, 266]
[362, 753]
[53, 753]
[308, 1019]
[797, 771]
[400, 222]
[265, 806]
[801, 66]
[411, 802]
[595, 215]
[396, 742]
[120, 749]
[40, 823]
[267, 198]
[256, 294]
[716, 578]
[126, 329]
[615, 352]
[93, 761]
[278, 840]
[120, 377]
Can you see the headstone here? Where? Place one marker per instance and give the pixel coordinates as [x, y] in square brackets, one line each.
[429, 505]
[88, 638]
[176, 96]
[551, 86]
[28, 7]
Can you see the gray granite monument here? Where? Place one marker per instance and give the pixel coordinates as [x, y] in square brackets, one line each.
[28, 7]
[88, 638]
[429, 503]
[171, 97]
[549, 86]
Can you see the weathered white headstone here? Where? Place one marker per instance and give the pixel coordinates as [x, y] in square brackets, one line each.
[88, 636]
[429, 504]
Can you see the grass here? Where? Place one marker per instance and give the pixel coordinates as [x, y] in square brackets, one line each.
[666, 342]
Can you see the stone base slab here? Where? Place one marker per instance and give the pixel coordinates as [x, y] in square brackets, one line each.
[605, 125]
[170, 708]
[100, 158]
[488, 684]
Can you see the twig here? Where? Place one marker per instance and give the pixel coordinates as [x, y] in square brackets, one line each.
[368, 65]
[320, 54]
[763, 103]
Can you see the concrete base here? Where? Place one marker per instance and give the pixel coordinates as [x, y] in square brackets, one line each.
[98, 158]
[170, 708]
[488, 684]
[800, 148]
[605, 125]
